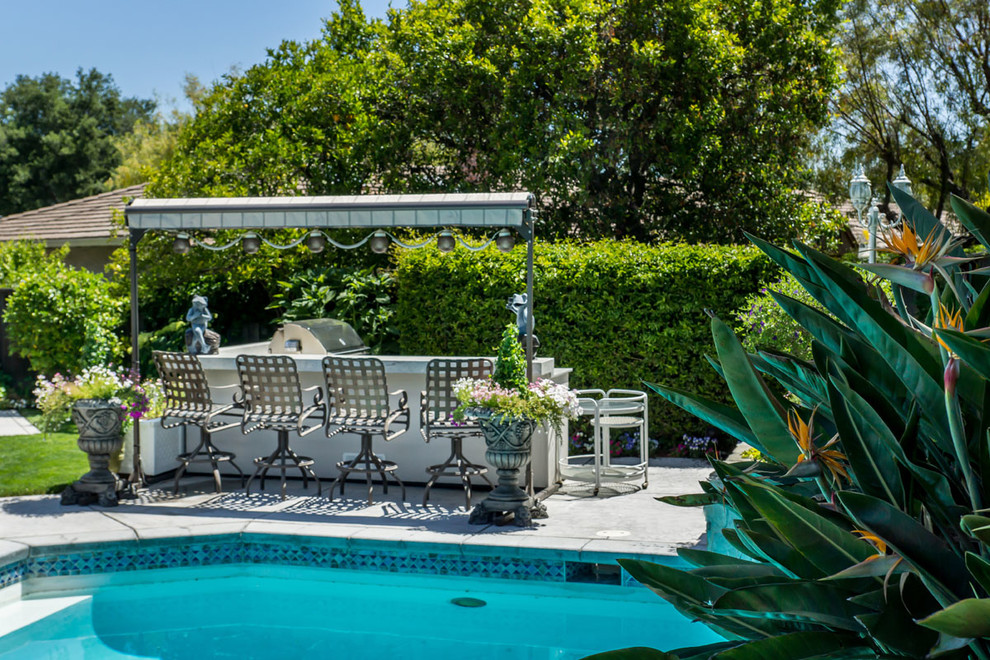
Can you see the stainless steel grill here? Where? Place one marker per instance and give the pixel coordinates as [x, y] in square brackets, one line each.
[317, 337]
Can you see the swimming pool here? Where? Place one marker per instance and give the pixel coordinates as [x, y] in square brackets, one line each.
[264, 611]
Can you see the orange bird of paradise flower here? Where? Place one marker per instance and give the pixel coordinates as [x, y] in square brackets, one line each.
[830, 459]
[920, 255]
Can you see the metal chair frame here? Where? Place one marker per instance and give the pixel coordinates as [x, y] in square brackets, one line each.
[615, 409]
[273, 400]
[357, 392]
[437, 404]
[188, 400]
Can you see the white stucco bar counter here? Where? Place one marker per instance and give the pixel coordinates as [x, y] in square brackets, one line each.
[409, 451]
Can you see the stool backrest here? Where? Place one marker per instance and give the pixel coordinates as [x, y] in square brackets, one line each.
[184, 380]
[356, 387]
[439, 402]
[270, 385]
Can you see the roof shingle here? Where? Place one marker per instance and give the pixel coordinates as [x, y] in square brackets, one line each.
[86, 218]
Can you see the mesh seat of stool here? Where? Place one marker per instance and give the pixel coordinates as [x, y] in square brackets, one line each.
[273, 400]
[358, 395]
[437, 405]
[188, 402]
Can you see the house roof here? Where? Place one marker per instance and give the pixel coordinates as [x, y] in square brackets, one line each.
[80, 221]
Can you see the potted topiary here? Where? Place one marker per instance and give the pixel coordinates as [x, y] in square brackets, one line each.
[509, 409]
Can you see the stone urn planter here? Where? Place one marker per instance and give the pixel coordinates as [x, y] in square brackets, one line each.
[99, 424]
[509, 449]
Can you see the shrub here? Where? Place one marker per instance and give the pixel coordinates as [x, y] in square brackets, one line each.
[764, 325]
[824, 228]
[364, 298]
[615, 312]
[63, 319]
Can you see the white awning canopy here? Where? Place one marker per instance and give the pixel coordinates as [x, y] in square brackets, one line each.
[339, 212]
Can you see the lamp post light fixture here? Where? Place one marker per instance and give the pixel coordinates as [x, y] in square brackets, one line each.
[504, 240]
[315, 241]
[446, 241]
[860, 191]
[379, 242]
[181, 243]
[903, 184]
[251, 243]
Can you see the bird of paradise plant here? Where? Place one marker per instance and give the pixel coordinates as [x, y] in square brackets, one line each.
[901, 387]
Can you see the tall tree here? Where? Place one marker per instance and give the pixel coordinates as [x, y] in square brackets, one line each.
[56, 137]
[916, 92]
[653, 119]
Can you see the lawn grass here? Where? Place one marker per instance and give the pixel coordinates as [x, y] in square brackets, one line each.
[34, 464]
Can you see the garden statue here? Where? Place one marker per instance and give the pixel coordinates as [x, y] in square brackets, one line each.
[518, 305]
[200, 340]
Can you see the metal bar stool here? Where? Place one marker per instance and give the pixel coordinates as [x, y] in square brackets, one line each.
[188, 400]
[436, 408]
[273, 400]
[359, 403]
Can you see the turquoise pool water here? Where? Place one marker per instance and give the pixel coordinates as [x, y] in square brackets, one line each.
[263, 612]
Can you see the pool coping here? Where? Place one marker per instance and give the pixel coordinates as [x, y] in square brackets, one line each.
[21, 564]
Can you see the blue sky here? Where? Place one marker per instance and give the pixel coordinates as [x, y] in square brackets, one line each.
[148, 47]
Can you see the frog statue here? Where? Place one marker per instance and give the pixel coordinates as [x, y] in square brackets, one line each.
[199, 339]
[518, 305]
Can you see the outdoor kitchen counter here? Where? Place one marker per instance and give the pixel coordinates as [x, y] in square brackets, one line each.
[409, 450]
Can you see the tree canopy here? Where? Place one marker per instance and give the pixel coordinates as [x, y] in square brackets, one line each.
[56, 137]
[915, 91]
[650, 119]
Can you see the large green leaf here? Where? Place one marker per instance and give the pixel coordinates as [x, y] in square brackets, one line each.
[692, 500]
[979, 313]
[830, 547]
[816, 603]
[972, 351]
[865, 438]
[717, 414]
[915, 280]
[700, 558]
[977, 526]
[979, 568]
[799, 377]
[893, 624]
[931, 557]
[967, 618]
[742, 546]
[800, 645]
[763, 414]
[873, 567]
[777, 552]
[862, 358]
[690, 593]
[912, 360]
[734, 577]
[975, 219]
[821, 326]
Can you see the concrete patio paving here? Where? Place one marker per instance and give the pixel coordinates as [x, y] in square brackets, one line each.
[621, 521]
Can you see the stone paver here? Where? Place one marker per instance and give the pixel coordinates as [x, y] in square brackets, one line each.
[12, 423]
[621, 520]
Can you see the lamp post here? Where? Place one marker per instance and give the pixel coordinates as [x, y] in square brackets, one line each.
[903, 184]
[859, 194]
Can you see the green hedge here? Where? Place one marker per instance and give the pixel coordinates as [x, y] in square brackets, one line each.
[618, 313]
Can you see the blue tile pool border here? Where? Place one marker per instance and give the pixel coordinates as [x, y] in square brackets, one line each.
[514, 563]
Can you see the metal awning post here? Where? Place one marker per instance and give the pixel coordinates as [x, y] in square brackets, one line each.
[529, 221]
[137, 472]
